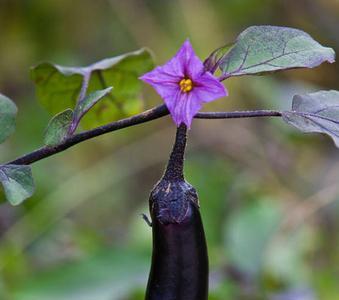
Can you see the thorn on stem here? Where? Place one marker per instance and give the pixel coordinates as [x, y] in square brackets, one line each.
[147, 220]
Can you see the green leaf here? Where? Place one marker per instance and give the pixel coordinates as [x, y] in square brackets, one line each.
[58, 128]
[316, 112]
[8, 111]
[262, 49]
[58, 87]
[86, 104]
[17, 182]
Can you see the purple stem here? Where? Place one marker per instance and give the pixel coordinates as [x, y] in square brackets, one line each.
[82, 95]
[175, 166]
[146, 116]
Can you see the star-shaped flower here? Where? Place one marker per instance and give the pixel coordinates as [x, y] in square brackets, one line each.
[184, 84]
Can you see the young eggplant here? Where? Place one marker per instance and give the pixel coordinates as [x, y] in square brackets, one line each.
[179, 268]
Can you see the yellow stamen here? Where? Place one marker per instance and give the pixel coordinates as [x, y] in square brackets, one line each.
[186, 85]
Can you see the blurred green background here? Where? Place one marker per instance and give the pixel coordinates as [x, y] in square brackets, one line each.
[269, 195]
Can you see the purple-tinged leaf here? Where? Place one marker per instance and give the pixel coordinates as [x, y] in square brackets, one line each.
[85, 105]
[316, 112]
[262, 49]
[212, 62]
[17, 182]
[8, 111]
[58, 128]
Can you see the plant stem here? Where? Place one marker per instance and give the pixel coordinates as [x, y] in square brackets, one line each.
[146, 116]
[238, 114]
[82, 95]
[175, 166]
[46, 151]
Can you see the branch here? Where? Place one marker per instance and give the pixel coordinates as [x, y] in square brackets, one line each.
[46, 151]
[238, 114]
[146, 116]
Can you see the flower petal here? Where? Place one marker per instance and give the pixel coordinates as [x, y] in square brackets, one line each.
[171, 72]
[183, 107]
[165, 84]
[166, 81]
[208, 88]
[192, 106]
[192, 63]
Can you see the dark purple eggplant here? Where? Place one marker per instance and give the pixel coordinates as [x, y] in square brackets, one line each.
[179, 268]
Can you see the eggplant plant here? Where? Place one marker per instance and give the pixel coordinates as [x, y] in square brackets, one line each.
[110, 90]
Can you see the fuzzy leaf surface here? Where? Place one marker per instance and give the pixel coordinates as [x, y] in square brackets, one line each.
[86, 104]
[264, 49]
[58, 128]
[8, 111]
[17, 182]
[316, 112]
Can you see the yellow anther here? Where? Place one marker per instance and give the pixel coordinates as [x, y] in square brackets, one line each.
[186, 85]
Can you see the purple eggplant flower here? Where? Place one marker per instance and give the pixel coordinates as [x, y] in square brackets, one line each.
[184, 84]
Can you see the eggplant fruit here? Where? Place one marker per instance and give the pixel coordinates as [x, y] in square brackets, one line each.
[179, 269]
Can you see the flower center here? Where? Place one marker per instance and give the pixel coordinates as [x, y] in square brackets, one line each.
[186, 85]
